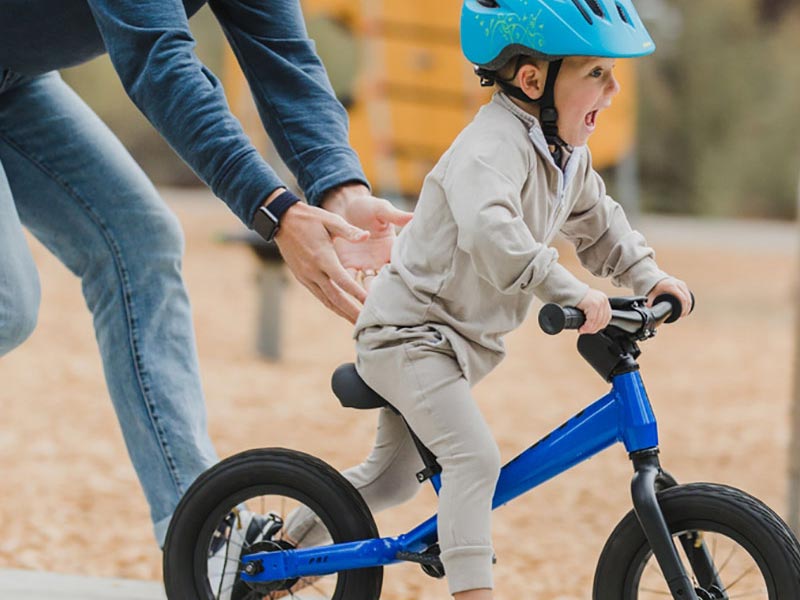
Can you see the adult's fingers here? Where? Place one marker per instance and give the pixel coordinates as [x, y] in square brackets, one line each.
[338, 227]
[337, 274]
[320, 295]
[341, 303]
[390, 214]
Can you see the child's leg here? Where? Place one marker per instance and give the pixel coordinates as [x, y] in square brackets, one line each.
[387, 478]
[423, 380]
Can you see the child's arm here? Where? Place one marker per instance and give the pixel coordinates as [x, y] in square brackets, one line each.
[606, 243]
[483, 188]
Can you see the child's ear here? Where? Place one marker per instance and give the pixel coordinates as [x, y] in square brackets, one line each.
[531, 79]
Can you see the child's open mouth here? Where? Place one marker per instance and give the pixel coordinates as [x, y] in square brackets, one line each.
[591, 120]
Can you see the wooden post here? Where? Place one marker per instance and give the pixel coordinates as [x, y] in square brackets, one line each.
[794, 440]
[272, 280]
[271, 283]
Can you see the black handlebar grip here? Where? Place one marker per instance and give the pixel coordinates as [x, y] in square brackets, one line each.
[677, 308]
[554, 319]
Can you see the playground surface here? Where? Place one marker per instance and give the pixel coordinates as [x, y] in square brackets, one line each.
[721, 386]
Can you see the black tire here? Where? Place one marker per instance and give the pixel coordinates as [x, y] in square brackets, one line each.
[722, 514]
[271, 472]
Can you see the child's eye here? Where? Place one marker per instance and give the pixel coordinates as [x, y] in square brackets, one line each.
[596, 73]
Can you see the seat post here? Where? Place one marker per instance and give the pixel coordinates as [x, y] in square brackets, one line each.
[432, 466]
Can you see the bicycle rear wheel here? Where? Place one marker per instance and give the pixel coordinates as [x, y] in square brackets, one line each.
[753, 553]
[212, 527]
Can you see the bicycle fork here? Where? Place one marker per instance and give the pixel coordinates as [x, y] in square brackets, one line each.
[649, 479]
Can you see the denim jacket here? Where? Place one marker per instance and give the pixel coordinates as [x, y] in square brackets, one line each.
[152, 49]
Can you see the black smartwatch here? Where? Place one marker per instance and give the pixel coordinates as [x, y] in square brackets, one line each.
[268, 218]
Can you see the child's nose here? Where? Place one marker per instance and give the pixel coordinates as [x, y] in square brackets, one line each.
[613, 87]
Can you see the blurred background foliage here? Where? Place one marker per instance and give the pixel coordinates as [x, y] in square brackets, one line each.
[719, 121]
[719, 129]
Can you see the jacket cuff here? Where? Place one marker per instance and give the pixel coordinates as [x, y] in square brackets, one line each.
[643, 277]
[246, 184]
[561, 287]
[331, 170]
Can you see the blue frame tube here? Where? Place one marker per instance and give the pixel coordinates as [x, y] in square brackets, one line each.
[624, 414]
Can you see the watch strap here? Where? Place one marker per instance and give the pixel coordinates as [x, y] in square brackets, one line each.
[267, 220]
[281, 204]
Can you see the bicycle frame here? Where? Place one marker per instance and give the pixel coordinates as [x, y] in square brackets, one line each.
[622, 415]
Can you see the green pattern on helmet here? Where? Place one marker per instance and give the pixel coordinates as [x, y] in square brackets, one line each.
[514, 29]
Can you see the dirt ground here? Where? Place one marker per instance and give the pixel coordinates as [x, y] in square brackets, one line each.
[720, 384]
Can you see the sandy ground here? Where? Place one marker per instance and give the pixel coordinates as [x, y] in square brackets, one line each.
[720, 384]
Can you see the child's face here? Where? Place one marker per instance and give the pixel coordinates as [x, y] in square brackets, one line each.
[584, 87]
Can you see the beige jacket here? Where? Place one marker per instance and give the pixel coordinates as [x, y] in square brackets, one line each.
[478, 249]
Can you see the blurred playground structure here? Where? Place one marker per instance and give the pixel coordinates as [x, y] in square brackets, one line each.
[397, 67]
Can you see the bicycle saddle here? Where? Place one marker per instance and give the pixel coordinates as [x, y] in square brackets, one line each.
[351, 390]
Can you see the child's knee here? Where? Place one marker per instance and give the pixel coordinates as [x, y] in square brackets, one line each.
[489, 462]
[480, 464]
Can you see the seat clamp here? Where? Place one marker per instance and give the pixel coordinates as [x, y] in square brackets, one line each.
[428, 472]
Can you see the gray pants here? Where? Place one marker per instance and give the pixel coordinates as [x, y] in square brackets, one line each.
[416, 371]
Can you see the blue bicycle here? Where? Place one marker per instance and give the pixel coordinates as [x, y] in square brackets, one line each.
[689, 542]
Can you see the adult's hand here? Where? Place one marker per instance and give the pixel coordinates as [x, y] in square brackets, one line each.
[363, 258]
[305, 240]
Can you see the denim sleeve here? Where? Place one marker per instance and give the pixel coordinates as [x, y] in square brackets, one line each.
[152, 49]
[294, 97]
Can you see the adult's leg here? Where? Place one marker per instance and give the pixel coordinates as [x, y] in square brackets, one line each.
[79, 191]
[19, 282]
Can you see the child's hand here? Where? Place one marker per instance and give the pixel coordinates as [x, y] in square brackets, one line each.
[597, 309]
[674, 287]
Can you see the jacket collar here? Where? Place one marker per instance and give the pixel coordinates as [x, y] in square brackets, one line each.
[535, 131]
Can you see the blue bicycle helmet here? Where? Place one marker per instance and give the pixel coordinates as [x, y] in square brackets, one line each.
[495, 31]
[492, 31]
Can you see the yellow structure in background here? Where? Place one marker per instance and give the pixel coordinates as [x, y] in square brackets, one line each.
[398, 68]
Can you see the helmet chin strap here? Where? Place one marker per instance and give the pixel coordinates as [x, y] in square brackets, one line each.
[548, 115]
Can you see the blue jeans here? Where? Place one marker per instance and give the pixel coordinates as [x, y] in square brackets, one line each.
[70, 182]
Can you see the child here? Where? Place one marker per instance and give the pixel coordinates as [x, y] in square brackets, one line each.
[465, 271]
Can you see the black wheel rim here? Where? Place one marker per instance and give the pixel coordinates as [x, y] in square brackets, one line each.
[263, 499]
[740, 568]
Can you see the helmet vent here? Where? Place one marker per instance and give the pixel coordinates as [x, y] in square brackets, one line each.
[595, 7]
[624, 14]
[581, 8]
[489, 3]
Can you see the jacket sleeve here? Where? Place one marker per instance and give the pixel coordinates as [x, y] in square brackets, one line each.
[152, 50]
[606, 243]
[292, 92]
[485, 201]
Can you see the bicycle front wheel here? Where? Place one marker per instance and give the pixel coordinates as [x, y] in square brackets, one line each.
[247, 504]
[731, 544]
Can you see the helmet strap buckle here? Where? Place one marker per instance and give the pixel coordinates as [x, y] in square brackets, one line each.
[487, 77]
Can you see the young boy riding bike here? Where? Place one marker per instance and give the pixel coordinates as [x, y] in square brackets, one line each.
[465, 271]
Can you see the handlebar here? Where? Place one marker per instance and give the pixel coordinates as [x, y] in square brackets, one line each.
[628, 314]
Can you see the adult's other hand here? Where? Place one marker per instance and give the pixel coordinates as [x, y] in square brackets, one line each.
[363, 258]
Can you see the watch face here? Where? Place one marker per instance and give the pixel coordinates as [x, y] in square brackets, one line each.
[265, 224]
